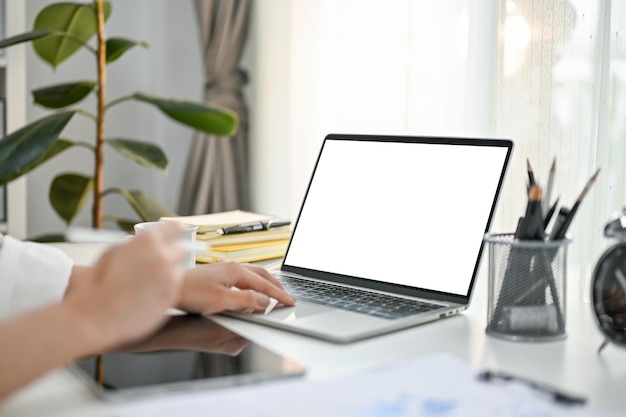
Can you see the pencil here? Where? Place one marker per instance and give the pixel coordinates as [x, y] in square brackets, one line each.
[560, 234]
[531, 174]
[549, 214]
[536, 224]
[546, 200]
[560, 219]
[532, 225]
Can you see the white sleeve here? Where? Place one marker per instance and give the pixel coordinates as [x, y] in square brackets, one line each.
[31, 275]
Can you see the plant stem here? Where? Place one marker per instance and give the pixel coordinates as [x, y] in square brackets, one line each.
[119, 100]
[99, 154]
[87, 114]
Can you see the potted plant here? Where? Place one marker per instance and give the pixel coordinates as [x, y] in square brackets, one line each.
[59, 31]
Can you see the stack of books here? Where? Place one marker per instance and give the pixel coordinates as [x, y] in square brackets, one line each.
[250, 246]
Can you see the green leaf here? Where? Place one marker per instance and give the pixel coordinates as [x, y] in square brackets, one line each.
[62, 95]
[68, 194]
[124, 224]
[145, 154]
[145, 206]
[73, 23]
[201, 116]
[57, 147]
[48, 238]
[23, 149]
[24, 37]
[116, 47]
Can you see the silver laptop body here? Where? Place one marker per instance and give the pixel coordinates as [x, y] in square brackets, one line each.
[389, 216]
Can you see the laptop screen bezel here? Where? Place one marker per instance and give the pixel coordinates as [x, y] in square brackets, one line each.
[397, 288]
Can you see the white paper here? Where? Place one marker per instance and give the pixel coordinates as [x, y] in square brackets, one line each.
[438, 386]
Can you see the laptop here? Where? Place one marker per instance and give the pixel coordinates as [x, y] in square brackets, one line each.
[389, 234]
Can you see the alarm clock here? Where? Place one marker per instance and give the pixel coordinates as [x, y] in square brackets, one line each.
[608, 285]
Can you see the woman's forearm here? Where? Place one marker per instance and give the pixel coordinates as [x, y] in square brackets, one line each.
[38, 342]
[78, 272]
[122, 298]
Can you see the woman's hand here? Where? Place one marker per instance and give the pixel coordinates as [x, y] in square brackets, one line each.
[207, 289]
[125, 295]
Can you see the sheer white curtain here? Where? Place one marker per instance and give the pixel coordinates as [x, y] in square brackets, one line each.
[560, 96]
[548, 74]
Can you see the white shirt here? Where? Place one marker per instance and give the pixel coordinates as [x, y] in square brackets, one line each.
[31, 275]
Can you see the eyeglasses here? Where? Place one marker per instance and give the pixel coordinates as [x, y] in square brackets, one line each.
[608, 286]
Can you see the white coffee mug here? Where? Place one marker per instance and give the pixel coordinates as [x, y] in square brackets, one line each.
[188, 239]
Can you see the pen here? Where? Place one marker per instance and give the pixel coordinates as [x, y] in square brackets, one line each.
[560, 233]
[78, 234]
[558, 396]
[253, 227]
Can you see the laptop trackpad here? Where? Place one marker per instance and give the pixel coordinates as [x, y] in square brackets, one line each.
[300, 310]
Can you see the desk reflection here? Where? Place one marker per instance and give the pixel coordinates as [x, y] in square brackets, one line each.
[186, 348]
[191, 332]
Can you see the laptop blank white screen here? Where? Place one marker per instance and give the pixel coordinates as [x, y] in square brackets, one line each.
[412, 214]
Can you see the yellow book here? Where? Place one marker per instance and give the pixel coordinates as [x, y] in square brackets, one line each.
[245, 252]
[211, 222]
[214, 239]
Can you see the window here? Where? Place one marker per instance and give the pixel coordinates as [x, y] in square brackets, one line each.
[548, 74]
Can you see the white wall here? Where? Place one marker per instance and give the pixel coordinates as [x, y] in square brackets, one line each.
[353, 66]
[170, 67]
[299, 91]
[270, 116]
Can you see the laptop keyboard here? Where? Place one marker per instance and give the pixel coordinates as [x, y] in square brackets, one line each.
[347, 298]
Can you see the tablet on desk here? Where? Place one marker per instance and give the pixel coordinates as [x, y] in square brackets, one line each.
[187, 353]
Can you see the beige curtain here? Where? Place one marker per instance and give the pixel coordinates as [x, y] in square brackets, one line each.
[216, 176]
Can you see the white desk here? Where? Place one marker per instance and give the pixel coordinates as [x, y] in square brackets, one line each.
[571, 365]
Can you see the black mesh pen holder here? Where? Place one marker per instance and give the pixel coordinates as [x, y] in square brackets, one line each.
[526, 299]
